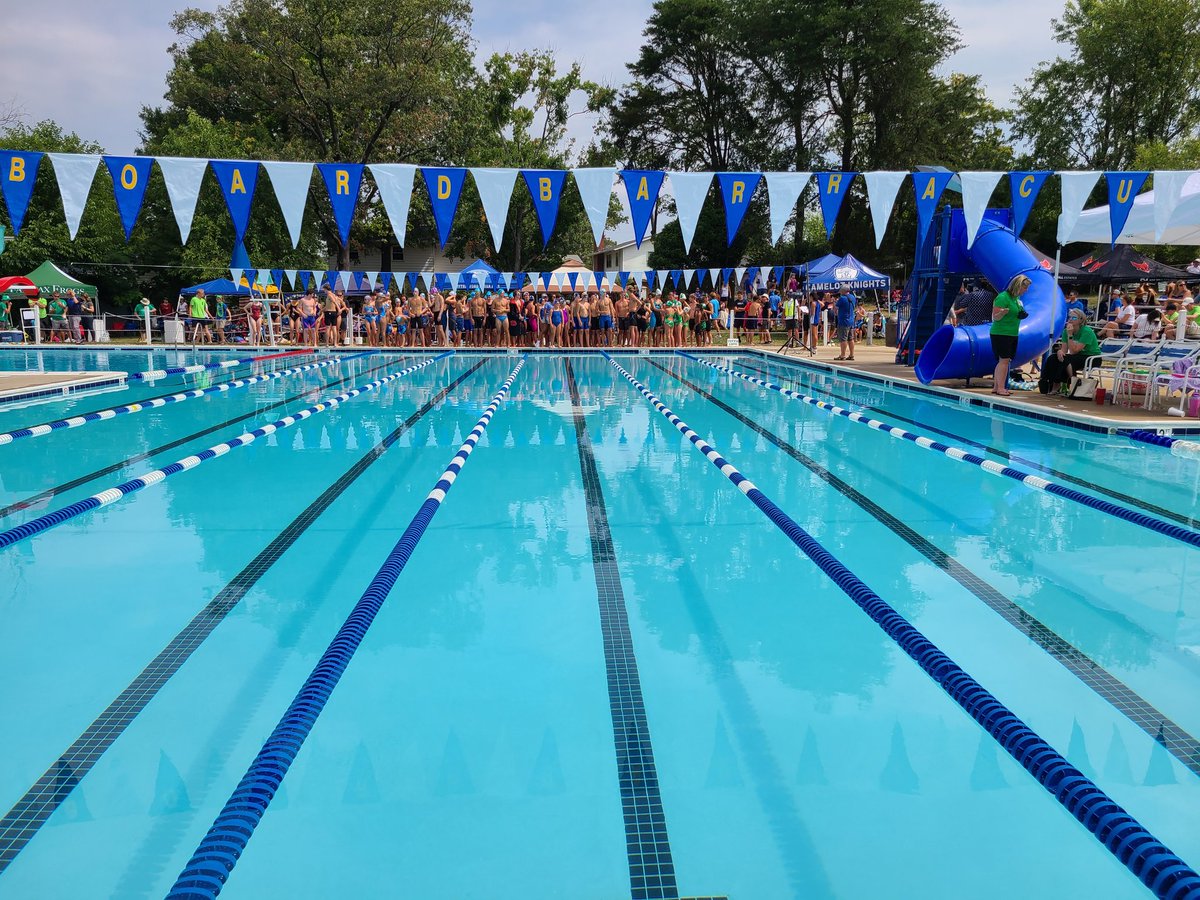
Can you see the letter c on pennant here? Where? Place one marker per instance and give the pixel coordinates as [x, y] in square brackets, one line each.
[443, 191]
[1026, 184]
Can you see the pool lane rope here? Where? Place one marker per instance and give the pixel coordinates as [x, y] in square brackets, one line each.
[112, 495]
[1151, 861]
[104, 415]
[218, 852]
[1163, 527]
[155, 374]
[1177, 446]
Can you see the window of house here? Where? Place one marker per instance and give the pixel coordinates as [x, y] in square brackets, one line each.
[397, 252]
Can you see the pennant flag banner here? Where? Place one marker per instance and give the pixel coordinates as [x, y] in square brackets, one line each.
[237, 181]
[331, 279]
[595, 189]
[342, 181]
[1122, 188]
[783, 190]
[1168, 191]
[345, 279]
[182, 177]
[445, 187]
[290, 181]
[690, 189]
[277, 278]
[395, 183]
[18, 171]
[778, 273]
[249, 275]
[75, 173]
[832, 188]
[130, 175]
[713, 275]
[641, 188]
[305, 278]
[736, 190]
[882, 188]
[928, 187]
[1076, 188]
[572, 277]
[235, 275]
[1025, 187]
[545, 189]
[622, 279]
[977, 190]
[385, 280]
[291, 274]
[726, 274]
[370, 279]
[495, 188]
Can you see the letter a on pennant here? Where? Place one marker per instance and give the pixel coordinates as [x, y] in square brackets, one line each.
[641, 189]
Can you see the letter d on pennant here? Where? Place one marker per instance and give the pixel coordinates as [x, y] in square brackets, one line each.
[443, 187]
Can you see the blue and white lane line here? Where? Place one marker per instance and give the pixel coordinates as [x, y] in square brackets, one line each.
[112, 495]
[156, 374]
[218, 852]
[1151, 861]
[1170, 529]
[103, 415]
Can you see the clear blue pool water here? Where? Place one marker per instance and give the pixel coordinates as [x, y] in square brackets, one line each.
[469, 750]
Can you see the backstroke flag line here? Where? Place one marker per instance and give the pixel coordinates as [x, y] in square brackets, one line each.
[882, 188]
[75, 172]
[545, 190]
[1025, 187]
[927, 188]
[18, 171]
[736, 190]
[237, 180]
[783, 190]
[342, 181]
[832, 188]
[1123, 187]
[290, 181]
[445, 187]
[595, 189]
[641, 187]
[183, 177]
[395, 183]
[1076, 188]
[130, 175]
[977, 190]
[495, 188]
[689, 190]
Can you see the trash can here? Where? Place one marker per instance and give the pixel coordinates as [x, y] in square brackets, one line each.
[173, 331]
[889, 332]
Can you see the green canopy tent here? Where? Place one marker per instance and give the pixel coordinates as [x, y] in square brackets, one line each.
[49, 278]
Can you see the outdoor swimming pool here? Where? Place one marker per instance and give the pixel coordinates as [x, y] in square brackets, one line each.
[590, 566]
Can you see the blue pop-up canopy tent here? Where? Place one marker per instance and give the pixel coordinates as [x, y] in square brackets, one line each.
[820, 264]
[478, 274]
[220, 286]
[849, 272]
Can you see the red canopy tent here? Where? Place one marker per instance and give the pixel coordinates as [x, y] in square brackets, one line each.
[18, 283]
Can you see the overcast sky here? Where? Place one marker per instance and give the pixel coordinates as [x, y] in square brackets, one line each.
[110, 56]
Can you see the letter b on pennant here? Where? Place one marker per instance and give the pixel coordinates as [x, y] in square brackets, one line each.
[544, 190]
[16, 169]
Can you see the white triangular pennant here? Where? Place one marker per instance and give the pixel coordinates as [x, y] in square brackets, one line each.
[977, 188]
[75, 172]
[344, 280]
[739, 273]
[595, 189]
[182, 177]
[664, 276]
[881, 193]
[495, 188]
[689, 190]
[783, 190]
[290, 275]
[1168, 190]
[714, 274]
[1076, 187]
[372, 277]
[395, 183]
[689, 275]
[291, 181]
[236, 275]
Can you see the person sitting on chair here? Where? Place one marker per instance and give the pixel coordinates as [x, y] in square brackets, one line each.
[1068, 355]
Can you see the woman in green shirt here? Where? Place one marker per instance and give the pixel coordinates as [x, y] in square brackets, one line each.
[1007, 312]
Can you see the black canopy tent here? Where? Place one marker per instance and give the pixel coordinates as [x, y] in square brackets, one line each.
[1123, 265]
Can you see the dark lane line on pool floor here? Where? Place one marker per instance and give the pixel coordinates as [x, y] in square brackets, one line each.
[22, 822]
[1178, 742]
[1180, 519]
[51, 493]
[651, 868]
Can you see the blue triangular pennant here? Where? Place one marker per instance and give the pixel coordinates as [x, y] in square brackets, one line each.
[545, 190]
[331, 279]
[676, 274]
[305, 277]
[778, 273]
[385, 281]
[1123, 187]
[622, 279]
[832, 188]
[641, 187]
[1025, 188]
[445, 187]
[342, 181]
[927, 188]
[18, 172]
[726, 274]
[736, 190]
[572, 277]
[277, 278]
[130, 175]
[237, 181]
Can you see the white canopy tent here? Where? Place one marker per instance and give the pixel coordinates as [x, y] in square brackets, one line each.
[1169, 214]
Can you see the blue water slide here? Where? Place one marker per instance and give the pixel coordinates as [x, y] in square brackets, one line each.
[965, 351]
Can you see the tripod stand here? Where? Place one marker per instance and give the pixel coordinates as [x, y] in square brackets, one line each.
[796, 343]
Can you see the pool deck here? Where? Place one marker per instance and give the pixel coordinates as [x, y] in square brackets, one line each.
[25, 385]
[878, 361]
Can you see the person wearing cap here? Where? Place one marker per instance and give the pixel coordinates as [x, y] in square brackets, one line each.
[846, 302]
[1193, 267]
[143, 311]
[1069, 354]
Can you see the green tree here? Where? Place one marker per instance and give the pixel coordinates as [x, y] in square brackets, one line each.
[336, 80]
[1131, 76]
